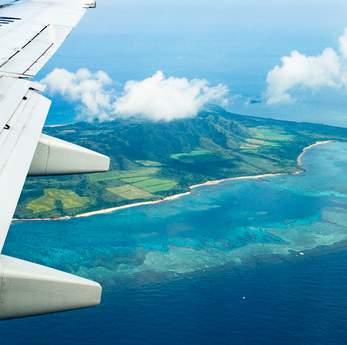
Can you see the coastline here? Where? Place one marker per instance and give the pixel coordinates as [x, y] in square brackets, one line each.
[189, 192]
[307, 148]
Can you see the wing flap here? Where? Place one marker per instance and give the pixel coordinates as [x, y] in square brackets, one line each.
[12, 92]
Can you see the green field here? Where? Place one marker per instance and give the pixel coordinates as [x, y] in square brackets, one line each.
[123, 175]
[156, 185]
[129, 192]
[51, 197]
[265, 137]
[191, 154]
[271, 134]
[135, 184]
[149, 163]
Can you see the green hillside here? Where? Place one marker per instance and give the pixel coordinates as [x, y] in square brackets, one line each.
[152, 160]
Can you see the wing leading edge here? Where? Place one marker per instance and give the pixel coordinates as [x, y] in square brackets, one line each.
[30, 33]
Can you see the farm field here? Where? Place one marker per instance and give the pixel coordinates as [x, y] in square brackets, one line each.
[192, 154]
[68, 199]
[130, 192]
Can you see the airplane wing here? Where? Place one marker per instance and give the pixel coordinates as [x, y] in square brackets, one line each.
[31, 31]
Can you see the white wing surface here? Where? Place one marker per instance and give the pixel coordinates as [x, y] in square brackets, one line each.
[31, 31]
[18, 140]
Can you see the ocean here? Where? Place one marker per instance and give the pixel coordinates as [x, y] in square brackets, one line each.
[244, 262]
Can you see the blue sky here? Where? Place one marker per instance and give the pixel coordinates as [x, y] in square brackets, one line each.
[235, 42]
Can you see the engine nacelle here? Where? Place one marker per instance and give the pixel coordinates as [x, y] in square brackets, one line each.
[58, 157]
[27, 289]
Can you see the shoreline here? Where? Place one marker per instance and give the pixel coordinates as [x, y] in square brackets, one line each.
[189, 192]
[307, 148]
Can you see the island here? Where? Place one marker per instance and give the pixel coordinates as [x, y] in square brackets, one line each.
[154, 161]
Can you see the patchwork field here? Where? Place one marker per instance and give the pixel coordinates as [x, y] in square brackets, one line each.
[124, 176]
[262, 137]
[141, 183]
[156, 185]
[51, 197]
[130, 192]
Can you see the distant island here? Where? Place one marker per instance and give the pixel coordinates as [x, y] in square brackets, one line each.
[154, 160]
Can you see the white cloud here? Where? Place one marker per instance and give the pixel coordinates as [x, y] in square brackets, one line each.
[91, 90]
[299, 71]
[157, 98]
[161, 98]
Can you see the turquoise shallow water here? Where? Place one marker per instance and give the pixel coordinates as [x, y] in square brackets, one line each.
[231, 223]
[195, 271]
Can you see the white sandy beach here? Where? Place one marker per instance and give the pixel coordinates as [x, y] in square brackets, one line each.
[189, 192]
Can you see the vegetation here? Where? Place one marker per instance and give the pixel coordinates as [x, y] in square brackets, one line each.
[56, 198]
[130, 192]
[184, 156]
[153, 160]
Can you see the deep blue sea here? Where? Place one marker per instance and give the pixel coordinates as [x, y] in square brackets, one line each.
[254, 262]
